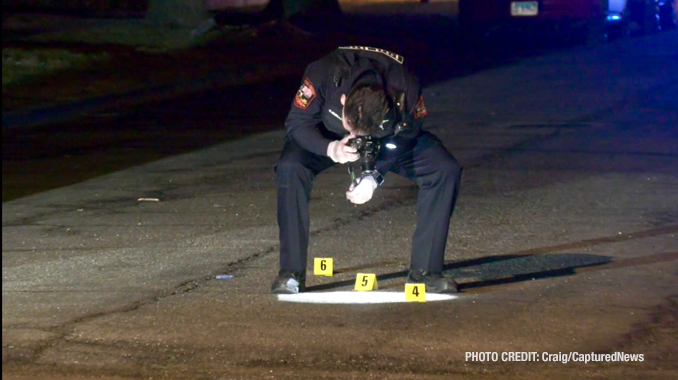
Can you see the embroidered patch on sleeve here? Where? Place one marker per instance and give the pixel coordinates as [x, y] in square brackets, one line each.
[305, 94]
[420, 108]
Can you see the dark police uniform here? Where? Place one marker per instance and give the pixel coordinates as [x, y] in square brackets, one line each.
[315, 120]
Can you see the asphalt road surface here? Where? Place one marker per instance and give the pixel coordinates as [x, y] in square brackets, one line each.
[563, 241]
[106, 140]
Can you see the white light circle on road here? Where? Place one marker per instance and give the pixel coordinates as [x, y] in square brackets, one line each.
[357, 297]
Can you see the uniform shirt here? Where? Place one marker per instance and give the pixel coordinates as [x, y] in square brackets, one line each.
[315, 116]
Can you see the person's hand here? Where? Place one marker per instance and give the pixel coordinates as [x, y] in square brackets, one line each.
[363, 192]
[341, 153]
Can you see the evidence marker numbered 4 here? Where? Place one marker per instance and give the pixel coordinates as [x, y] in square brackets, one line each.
[415, 292]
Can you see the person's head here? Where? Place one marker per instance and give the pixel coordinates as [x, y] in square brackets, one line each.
[365, 107]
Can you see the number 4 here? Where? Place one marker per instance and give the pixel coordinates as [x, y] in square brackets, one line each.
[415, 292]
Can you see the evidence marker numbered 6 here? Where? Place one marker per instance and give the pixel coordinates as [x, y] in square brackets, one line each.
[323, 266]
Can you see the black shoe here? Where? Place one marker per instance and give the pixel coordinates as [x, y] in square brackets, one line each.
[289, 282]
[435, 282]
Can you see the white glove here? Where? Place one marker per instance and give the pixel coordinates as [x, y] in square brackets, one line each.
[341, 153]
[363, 192]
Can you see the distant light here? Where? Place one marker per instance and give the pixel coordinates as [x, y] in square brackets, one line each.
[613, 17]
[391, 145]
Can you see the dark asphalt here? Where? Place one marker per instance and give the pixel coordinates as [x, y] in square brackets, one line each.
[98, 136]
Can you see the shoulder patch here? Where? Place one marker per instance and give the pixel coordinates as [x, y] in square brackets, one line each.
[420, 108]
[396, 57]
[305, 94]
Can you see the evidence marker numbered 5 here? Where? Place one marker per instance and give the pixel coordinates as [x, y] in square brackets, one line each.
[366, 282]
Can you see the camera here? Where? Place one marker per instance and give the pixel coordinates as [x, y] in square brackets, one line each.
[368, 148]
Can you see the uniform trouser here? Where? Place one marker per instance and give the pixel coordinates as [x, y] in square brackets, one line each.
[427, 163]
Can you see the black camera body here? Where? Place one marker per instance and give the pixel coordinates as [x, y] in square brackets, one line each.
[368, 148]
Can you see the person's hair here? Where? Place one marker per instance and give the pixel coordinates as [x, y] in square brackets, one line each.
[365, 108]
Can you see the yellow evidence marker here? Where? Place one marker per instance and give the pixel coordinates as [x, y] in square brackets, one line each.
[366, 282]
[322, 266]
[415, 292]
